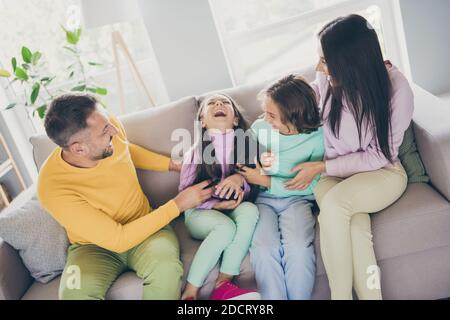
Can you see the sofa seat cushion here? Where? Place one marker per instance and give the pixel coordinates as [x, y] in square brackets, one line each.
[418, 221]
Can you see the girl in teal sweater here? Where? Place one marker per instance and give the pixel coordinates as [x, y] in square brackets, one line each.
[282, 251]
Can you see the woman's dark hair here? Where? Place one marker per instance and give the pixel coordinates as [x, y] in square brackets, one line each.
[296, 101]
[213, 172]
[359, 76]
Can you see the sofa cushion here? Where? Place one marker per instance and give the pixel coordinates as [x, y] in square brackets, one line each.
[42, 243]
[418, 221]
[160, 129]
[410, 158]
[42, 148]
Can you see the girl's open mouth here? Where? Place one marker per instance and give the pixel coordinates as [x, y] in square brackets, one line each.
[220, 113]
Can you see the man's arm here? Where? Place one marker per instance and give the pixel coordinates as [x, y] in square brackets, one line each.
[148, 160]
[141, 157]
[96, 227]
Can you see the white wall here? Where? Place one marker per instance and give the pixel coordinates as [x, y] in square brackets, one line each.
[427, 25]
[186, 44]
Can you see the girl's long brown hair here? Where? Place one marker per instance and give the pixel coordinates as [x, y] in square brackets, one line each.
[213, 172]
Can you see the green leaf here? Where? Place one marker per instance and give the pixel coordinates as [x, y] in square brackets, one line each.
[91, 89]
[4, 73]
[94, 63]
[72, 37]
[26, 55]
[35, 92]
[41, 111]
[11, 105]
[102, 91]
[14, 63]
[21, 74]
[35, 58]
[47, 80]
[79, 88]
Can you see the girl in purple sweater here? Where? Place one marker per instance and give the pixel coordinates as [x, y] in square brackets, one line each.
[226, 222]
[367, 105]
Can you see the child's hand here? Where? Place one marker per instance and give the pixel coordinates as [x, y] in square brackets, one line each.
[267, 160]
[228, 186]
[307, 171]
[229, 204]
[255, 176]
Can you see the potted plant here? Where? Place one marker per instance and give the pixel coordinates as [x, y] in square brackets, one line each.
[35, 90]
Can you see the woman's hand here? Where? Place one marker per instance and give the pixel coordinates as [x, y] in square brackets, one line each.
[255, 176]
[307, 171]
[229, 204]
[230, 185]
[175, 165]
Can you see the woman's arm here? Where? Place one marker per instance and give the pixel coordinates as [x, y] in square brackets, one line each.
[402, 104]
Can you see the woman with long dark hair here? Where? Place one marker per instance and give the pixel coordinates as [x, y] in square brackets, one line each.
[367, 105]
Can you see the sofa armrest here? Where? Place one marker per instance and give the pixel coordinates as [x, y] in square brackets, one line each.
[14, 276]
[432, 131]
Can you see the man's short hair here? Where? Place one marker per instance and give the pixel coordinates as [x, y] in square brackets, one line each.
[67, 116]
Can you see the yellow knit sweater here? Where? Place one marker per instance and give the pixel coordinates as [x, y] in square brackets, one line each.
[105, 205]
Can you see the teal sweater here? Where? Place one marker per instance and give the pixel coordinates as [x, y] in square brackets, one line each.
[289, 151]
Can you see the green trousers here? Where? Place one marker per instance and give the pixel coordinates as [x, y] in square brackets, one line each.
[226, 234]
[90, 270]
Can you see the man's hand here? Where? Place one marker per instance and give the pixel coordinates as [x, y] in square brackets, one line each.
[229, 185]
[193, 196]
[175, 165]
[229, 204]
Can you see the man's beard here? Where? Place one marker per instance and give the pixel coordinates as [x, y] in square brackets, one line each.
[105, 154]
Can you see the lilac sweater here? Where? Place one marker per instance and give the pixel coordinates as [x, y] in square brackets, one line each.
[223, 146]
[343, 156]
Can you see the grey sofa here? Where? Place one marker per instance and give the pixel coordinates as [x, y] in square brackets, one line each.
[411, 237]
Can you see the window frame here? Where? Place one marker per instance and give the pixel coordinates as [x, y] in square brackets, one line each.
[390, 20]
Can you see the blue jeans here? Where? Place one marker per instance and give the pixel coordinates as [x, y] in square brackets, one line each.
[282, 251]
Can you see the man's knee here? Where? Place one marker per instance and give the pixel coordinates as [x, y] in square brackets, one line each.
[166, 244]
[85, 290]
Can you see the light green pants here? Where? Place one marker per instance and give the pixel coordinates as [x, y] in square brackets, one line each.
[90, 270]
[345, 230]
[229, 233]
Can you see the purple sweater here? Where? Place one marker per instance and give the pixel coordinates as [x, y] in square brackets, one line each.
[223, 146]
[343, 156]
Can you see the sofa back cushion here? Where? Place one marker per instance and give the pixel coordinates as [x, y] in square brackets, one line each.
[154, 129]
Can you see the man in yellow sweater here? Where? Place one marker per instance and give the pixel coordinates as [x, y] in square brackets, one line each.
[90, 186]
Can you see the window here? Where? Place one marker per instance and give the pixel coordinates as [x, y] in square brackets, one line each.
[37, 25]
[264, 39]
